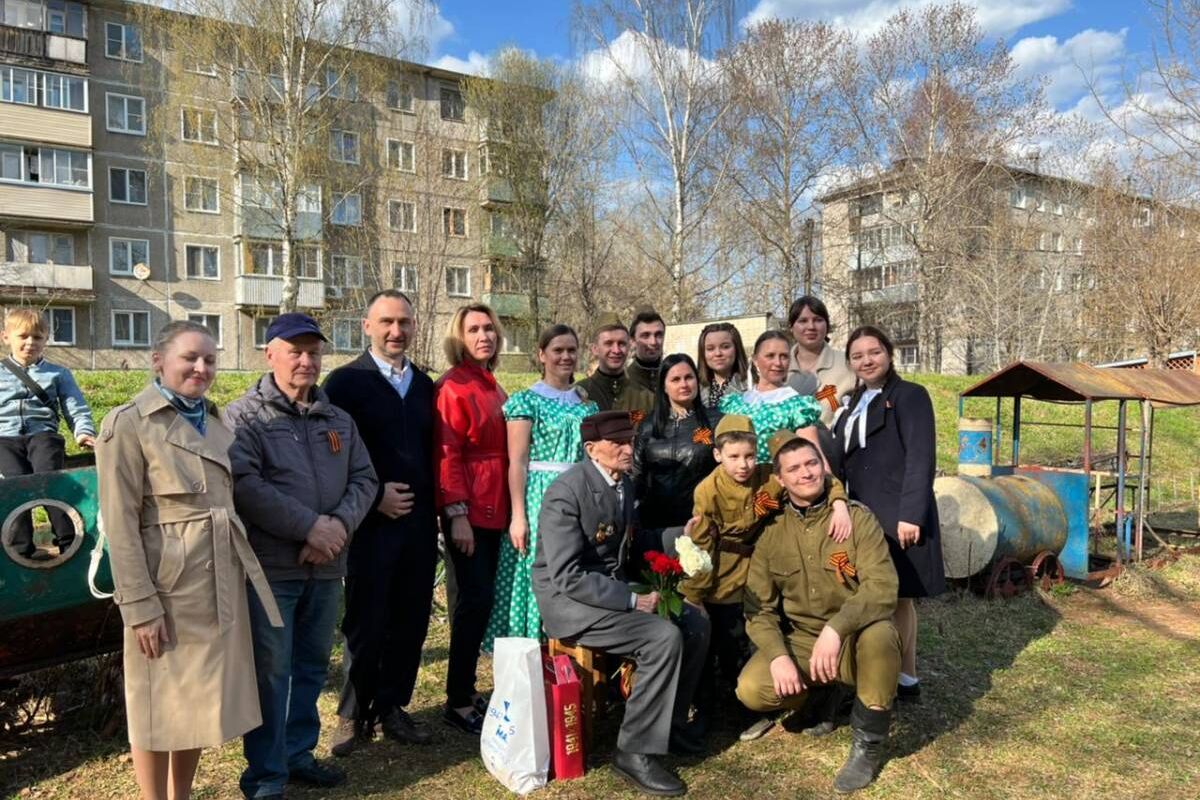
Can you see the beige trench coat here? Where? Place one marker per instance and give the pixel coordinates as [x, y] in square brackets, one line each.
[832, 370]
[177, 548]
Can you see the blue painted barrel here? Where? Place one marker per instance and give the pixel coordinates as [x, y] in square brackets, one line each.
[974, 446]
[986, 519]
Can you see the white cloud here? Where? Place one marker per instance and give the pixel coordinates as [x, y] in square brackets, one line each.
[1089, 57]
[423, 24]
[997, 17]
[475, 63]
[627, 57]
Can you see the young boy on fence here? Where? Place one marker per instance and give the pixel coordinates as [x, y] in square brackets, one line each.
[33, 393]
[732, 503]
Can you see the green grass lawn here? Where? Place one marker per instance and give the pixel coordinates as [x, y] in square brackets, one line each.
[1078, 694]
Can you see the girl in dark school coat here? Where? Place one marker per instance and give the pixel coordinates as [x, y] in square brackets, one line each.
[885, 453]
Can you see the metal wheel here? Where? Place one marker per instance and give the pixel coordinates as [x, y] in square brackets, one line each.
[1008, 579]
[1046, 571]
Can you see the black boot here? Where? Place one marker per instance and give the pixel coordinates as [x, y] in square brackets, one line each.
[870, 731]
[829, 713]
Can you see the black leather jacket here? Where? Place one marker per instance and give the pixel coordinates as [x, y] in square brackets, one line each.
[666, 469]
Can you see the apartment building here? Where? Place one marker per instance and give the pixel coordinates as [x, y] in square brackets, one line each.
[122, 205]
[1024, 254]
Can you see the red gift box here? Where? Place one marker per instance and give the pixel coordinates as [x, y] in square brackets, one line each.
[566, 719]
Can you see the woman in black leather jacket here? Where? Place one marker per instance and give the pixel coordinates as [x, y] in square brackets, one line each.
[673, 449]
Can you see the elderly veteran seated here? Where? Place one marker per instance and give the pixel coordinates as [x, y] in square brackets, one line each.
[835, 600]
[579, 579]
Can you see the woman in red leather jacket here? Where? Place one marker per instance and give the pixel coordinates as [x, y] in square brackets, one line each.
[471, 454]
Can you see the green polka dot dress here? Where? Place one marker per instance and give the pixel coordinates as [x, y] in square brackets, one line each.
[781, 409]
[554, 440]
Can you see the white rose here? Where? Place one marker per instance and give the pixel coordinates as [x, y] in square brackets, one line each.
[694, 560]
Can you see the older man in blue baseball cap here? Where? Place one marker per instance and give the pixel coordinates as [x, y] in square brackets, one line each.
[303, 482]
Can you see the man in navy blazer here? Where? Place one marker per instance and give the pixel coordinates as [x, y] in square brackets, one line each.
[393, 555]
[585, 534]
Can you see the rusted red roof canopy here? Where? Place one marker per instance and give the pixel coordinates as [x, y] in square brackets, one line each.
[1079, 382]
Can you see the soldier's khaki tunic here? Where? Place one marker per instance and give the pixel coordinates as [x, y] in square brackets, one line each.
[730, 522]
[616, 393]
[792, 569]
[178, 549]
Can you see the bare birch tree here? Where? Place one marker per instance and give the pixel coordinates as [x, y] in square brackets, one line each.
[287, 91]
[660, 56]
[937, 111]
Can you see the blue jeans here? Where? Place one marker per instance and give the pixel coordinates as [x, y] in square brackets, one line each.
[291, 664]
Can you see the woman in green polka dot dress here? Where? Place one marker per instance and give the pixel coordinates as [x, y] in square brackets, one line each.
[772, 405]
[543, 441]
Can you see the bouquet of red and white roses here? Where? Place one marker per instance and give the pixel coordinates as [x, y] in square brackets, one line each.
[663, 574]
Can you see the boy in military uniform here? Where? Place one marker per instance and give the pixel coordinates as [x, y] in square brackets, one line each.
[609, 385]
[732, 504]
[837, 600]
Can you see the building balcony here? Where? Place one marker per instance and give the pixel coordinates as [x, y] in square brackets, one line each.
[45, 125]
[41, 45]
[495, 191]
[901, 293]
[51, 282]
[266, 291]
[508, 304]
[31, 201]
[499, 247]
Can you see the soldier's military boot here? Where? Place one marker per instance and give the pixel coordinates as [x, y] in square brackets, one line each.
[869, 729]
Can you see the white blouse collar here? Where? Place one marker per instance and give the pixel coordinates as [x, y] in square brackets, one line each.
[756, 397]
[568, 395]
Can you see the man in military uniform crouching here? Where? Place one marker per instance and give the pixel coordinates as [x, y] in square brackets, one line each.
[835, 602]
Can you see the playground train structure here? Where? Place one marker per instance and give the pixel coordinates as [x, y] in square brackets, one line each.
[1005, 526]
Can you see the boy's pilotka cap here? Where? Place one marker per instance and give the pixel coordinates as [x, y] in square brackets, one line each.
[734, 423]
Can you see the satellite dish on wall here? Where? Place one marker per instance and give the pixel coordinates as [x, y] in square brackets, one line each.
[141, 271]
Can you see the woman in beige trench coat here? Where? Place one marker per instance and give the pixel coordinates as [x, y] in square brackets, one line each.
[180, 562]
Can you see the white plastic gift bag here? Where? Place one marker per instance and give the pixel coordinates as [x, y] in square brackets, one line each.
[516, 742]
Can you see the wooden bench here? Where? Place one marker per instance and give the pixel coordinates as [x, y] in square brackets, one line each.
[591, 666]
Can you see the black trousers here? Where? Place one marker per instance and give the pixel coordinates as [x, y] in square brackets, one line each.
[475, 576]
[25, 455]
[389, 597]
[728, 651]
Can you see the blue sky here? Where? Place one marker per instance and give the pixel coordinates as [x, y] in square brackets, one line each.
[1053, 37]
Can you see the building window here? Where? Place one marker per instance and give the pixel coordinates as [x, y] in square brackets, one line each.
[400, 96]
[1058, 208]
[517, 339]
[454, 164]
[125, 254]
[126, 114]
[199, 125]
[346, 271]
[36, 247]
[122, 42]
[64, 92]
[127, 186]
[402, 216]
[61, 323]
[131, 328]
[343, 146]
[18, 86]
[454, 221]
[260, 330]
[67, 18]
[347, 209]
[210, 321]
[1017, 197]
[1056, 242]
[45, 165]
[266, 258]
[401, 156]
[458, 281]
[202, 261]
[453, 107]
[341, 83]
[347, 334]
[404, 277]
[1078, 246]
[193, 65]
[200, 194]
[908, 356]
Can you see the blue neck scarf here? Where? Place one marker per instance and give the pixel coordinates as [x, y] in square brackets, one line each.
[194, 411]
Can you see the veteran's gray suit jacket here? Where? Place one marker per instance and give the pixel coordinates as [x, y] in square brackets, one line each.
[583, 543]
